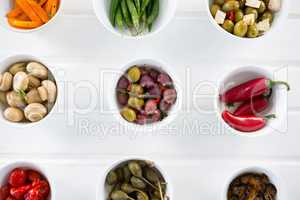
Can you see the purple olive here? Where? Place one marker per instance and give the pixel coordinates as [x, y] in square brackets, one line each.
[150, 107]
[164, 106]
[164, 79]
[154, 91]
[154, 74]
[170, 96]
[122, 98]
[123, 83]
[146, 81]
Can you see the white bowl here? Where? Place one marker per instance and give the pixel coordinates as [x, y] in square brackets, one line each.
[273, 179]
[7, 5]
[4, 173]
[4, 65]
[156, 125]
[166, 13]
[102, 192]
[278, 103]
[279, 18]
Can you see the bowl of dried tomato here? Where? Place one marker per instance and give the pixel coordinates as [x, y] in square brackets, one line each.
[24, 181]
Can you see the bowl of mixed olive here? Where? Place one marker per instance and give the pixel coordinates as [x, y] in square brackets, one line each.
[256, 184]
[136, 180]
[28, 90]
[145, 94]
[246, 18]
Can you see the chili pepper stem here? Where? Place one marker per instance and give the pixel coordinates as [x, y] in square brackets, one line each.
[272, 116]
[273, 83]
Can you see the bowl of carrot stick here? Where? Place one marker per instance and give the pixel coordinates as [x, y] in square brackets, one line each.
[28, 15]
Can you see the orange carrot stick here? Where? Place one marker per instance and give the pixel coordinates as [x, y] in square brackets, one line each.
[24, 5]
[42, 2]
[39, 10]
[54, 7]
[48, 7]
[15, 12]
[23, 17]
[23, 24]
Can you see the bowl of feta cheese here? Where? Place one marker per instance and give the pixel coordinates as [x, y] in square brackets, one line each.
[247, 19]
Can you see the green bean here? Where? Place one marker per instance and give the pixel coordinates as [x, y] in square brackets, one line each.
[113, 11]
[134, 14]
[119, 19]
[154, 13]
[125, 13]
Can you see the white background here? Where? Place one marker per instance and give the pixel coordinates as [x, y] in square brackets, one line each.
[80, 48]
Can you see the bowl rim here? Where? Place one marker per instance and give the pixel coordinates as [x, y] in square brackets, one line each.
[152, 126]
[127, 36]
[283, 14]
[42, 27]
[58, 96]
[101, 193]
[23, 164]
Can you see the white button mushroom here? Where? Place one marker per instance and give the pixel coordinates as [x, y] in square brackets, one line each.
[15, 99]
[20, 82]
[33, 96]
[13, 114]
[17, 67]
[35, 112]
[38, 70]
[33, 82]
[6, 82]
[43, 93]
[51, 90]
[274, 5]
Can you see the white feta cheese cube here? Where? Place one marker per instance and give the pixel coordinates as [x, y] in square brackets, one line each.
[263, 26]
[274, 5]
[253, 3]
[220, 17]
[249, 19]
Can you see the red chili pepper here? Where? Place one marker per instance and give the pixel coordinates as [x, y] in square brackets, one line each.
[19, 192]
[231, 15]
[250, 89]
[251, 107]
[245, 123]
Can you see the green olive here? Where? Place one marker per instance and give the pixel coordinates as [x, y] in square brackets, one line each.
[239, 15]
[151, 175]
[231, 5]
[111, 178]
[252, 31]
[127, 188]
[214, 9]
[120, 174]
[267, 15]
[135, 169]
[142, 195]
[138, 183]
[128, 114]
[120, 195]
[240, 29]
[136, 103]
[134, 74]
[219, 2]
[228, 25]
[136, 89]
[262, 8]
[126, 173]
[250, 10]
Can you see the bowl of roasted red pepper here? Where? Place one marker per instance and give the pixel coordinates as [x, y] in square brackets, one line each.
[250, 101]
[146, 94]
[24, 181]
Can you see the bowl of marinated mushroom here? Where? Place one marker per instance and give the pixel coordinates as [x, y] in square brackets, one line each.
[28, 90]
[247, 18]
[253, 183]
[146, 94]
[135, 179]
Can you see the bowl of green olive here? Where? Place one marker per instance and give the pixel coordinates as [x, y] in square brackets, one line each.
[247, 18]
[146, 95]
[253, 183]
[135, 179]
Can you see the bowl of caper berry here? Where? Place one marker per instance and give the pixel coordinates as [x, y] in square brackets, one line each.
[247, 18]
[135, 179]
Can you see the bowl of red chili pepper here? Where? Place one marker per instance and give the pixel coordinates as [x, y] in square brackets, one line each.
[24, 181]
[252, 102]
[28, 15]
[146, 95]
